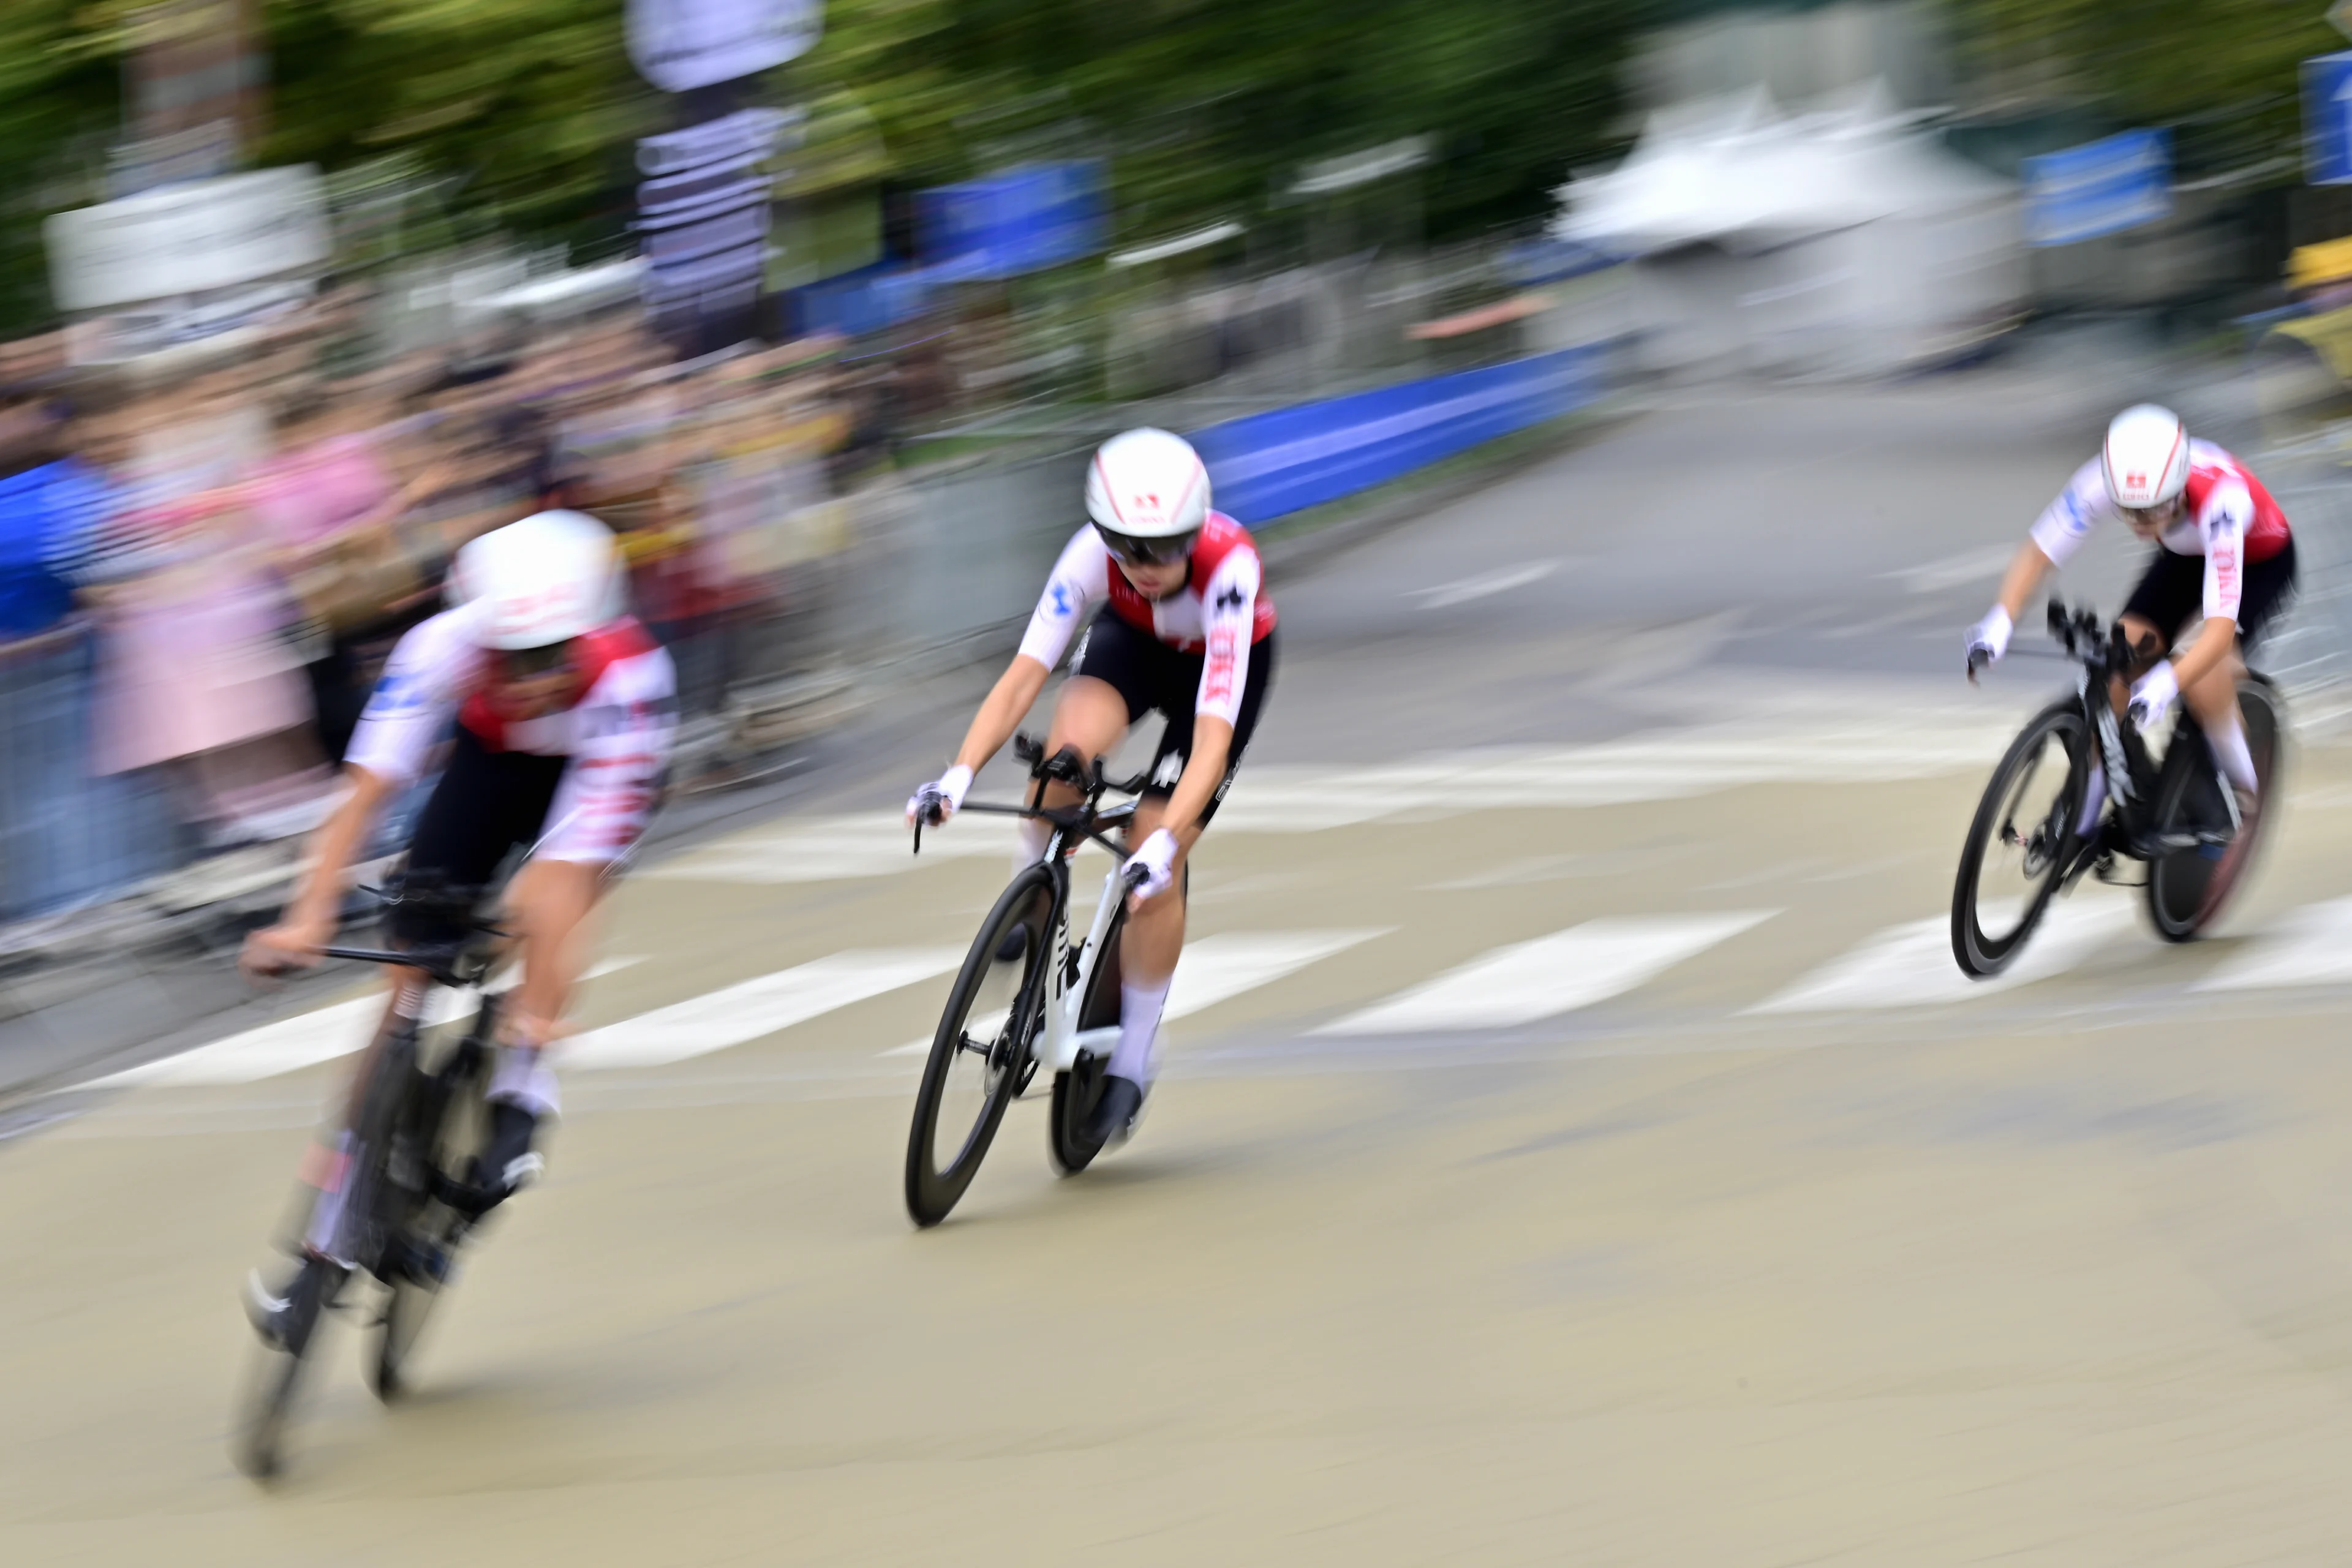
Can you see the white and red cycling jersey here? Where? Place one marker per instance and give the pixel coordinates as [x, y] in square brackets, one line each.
[1219, 612]
[2230, 519]
[618, 734]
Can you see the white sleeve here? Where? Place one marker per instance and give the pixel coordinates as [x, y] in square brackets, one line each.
[1228, 615]
[621, 750]
[1081, 580]
[2080, 507]
[414, 697]
[2229, 510]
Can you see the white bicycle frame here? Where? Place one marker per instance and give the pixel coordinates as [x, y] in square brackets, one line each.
[1062, 1042]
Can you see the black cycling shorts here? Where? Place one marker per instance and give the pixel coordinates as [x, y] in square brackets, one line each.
[2172, 593]
[489, 806]
[1149, 676]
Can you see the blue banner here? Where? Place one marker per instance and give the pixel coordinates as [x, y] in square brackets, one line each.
[1020, 220]
[1266, 466]
[2327, 120]
[2099, 188]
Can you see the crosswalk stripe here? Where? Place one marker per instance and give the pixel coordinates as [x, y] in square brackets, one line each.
[1911, 965]
[305, 1039]
[837, 848]
[738, 1014]
[1555, 973]
[2313, 946]
[1218, 968]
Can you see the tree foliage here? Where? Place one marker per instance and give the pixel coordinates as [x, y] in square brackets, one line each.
[526, 109]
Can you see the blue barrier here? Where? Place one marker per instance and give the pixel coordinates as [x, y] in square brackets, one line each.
[1266, 466]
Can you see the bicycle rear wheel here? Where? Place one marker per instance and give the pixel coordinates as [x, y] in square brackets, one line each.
[2189, 886]
[980, 1055]
[1078, 1089]
[448, 1123]
[2021, 843]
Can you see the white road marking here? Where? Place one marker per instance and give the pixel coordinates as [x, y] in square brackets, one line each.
[738, 1014]
[1555, 973]
[2312, 946]
[1218, 968]
[307, 1039]
[1485, 584]
[832, 849]
[1911, 965]
[1955, 571]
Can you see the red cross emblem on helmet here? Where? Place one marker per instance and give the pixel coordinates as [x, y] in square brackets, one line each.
[2135, 481]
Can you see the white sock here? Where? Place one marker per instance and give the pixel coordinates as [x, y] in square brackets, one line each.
[2228, 741]
[1138, 1029]
[327, 1208]
[1032, 835]
[2095, 801]
[525, 1078]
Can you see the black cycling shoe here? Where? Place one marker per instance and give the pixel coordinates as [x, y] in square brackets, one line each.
[507, 1163]
[284, 1318]
[1113, 1120]
[1014, 944]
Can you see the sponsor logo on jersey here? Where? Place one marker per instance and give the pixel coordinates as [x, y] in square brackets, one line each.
[1063, 599]
[1231, 599]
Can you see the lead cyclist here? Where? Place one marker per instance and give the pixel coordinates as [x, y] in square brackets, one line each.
[564, 709]
[1190, 635]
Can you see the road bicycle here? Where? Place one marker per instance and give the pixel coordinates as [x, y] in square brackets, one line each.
[1027, 998]
[413, 1194]
[2174, 812]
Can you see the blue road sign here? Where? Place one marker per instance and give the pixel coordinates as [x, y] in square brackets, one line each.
[2100, 187]
[2327, 120]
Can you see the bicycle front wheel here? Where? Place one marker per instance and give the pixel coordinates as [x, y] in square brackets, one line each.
[981, 1053]
[2189, 886]
[1078, 1089]
[449, 1122]
[2020, 845]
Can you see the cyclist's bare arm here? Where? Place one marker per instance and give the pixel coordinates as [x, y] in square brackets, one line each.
[1213, 743]
[1008, 702]
[2027, 568]
[307, 923]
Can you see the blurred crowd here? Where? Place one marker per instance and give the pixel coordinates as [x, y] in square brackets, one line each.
[207, 555]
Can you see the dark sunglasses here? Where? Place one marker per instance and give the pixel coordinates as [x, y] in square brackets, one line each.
[1148, 551]
[534, 663]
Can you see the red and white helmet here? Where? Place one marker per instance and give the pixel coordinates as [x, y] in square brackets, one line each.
[2146, 459]
[1148, 488]
[553, 576]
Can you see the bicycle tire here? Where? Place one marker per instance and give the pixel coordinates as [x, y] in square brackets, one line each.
[1980, 954]
[1078, 1089]
[446, 1130]
[933, 1190]
[2183, 895]
[258, 1442]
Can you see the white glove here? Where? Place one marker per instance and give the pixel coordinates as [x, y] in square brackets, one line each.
[2152, 696]
[939, 799]
[1991, 635]
[1157, 860]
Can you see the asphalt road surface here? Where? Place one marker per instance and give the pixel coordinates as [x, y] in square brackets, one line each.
[1576, 1144]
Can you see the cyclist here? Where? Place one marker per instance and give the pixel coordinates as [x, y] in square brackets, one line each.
[2224, 551]
[565, 709]
[1190, 635]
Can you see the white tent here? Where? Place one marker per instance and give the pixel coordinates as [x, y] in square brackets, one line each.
[1835, 242]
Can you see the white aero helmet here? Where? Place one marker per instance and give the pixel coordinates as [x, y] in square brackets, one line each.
[2145, 459]
[1148, 492]
[551, 577]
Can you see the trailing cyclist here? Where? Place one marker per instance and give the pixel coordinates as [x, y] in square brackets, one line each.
[564, 709]
[2223, 552]
[1190, 634]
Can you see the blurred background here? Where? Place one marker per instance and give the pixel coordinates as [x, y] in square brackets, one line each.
[1577, 1128]
[299, 295]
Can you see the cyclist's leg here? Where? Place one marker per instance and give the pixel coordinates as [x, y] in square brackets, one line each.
[1108, 690]
[1154, 939]
[2213, 698]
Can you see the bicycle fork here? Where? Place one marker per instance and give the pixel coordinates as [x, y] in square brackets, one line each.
[1062, 1042]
